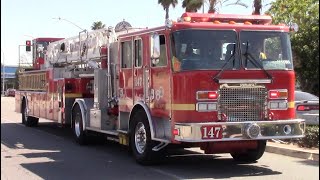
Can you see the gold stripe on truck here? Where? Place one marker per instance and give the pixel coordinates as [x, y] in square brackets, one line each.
[175, 107]
[182, 107]
[72, 95]
[291, 104]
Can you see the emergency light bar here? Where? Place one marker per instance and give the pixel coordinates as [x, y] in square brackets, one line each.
[226, 18]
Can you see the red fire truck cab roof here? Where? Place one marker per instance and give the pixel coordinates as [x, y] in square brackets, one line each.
[226, 18]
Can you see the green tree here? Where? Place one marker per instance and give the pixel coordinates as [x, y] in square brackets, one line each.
[305, 42]
[195, 5]
[97, 25]
[166, 5]
[192, 5]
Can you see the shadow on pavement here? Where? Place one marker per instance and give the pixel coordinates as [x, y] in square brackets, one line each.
[309, 163]
[53, 154]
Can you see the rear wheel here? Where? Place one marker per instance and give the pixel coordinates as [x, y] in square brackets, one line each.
[77, 126]
[140, 139]
[251, 155]
[28, 120]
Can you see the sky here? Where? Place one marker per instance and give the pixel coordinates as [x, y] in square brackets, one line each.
[23, 20]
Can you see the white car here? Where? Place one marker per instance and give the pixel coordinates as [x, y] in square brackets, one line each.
[307, 107]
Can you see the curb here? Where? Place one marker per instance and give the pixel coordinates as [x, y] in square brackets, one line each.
[292, 152]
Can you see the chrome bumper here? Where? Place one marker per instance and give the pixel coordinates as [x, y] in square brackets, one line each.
[234, 131]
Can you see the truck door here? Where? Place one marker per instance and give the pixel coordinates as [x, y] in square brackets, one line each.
[160, 99]
[125, 81]
[138, 75]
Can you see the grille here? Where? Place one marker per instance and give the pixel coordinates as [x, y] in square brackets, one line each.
[243, 103]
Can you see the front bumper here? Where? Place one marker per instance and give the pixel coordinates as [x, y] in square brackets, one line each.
[235, 131]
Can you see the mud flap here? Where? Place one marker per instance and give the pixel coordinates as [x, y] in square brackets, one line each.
[124, 139]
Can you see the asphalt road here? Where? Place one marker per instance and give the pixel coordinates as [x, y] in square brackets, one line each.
[49, 152]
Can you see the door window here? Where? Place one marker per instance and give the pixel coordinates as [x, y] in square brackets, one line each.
[162, 61]
[126, 54]
[138, 53]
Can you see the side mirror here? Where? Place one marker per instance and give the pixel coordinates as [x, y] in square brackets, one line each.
[155, 46]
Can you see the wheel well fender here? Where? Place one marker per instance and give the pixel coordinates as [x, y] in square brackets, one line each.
[83, 108]
[141, 106]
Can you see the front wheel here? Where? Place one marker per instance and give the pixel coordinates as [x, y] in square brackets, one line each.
[140, 139]
[251, 155]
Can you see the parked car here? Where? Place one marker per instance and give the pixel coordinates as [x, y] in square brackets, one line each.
[307, 107]
[11, 92]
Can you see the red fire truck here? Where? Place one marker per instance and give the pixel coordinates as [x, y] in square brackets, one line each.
[224, 83]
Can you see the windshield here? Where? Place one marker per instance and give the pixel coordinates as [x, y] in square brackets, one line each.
[271, 49]
[204, 50]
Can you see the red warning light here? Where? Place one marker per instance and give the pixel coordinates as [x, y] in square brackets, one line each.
[28, 45]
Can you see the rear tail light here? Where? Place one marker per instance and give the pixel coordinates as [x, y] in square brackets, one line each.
[307, 107]
[278, 94]
[207, 95]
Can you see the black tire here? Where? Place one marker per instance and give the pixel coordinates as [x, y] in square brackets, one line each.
[77, 126]
[28, 120]
[251, 155]
[23, 112]
[140, 130]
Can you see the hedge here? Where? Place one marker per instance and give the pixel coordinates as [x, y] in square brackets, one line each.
[311, 138]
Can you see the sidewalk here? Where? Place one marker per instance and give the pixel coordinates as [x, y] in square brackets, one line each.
[293, 151]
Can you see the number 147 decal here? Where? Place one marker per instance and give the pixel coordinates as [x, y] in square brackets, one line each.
[211, 132]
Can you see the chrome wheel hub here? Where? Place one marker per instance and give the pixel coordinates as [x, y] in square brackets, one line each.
[77, 127]
[140, 138]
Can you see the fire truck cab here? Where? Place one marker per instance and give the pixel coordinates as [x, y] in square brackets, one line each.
[224, 83]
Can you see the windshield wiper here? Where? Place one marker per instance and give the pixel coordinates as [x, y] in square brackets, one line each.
[216, 77]
[254, 62]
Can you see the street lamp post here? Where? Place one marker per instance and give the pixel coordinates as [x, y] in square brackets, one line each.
[59, 18]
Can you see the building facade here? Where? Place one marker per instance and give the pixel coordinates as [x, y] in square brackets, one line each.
[9, 73]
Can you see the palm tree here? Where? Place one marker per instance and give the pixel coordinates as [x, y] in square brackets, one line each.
[166, 4]
[257, 7]
[192, 5]
[214, 3]
[97, 25]
[212, 6]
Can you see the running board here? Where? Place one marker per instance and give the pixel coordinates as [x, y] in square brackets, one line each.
[160, 146]
[110, 132]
